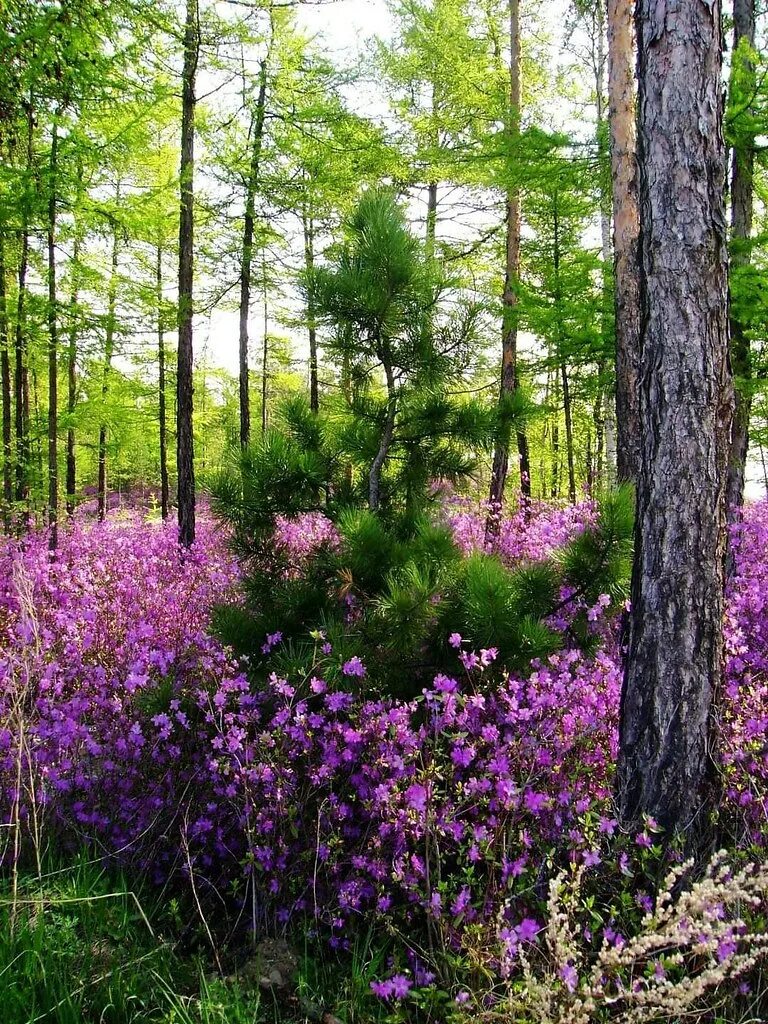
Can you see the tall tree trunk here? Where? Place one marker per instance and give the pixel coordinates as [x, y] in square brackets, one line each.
[109, 348]
[309, 264]
[71, 485]
[388, 433]
[5, 380]
[21, 381]
[247, 257]
[265, 353]
[674, 666]
[53, 346]
[509, 380]
[165, 493]
[601, 414]
[626, 233]
[742, 175]
[185, 451]
[431, 235]
[562, 365]
[568, 414]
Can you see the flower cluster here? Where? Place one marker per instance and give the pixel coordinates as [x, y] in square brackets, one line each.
[124, 722]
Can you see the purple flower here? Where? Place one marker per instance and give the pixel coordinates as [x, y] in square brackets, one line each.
[455, 640]
[353, 667]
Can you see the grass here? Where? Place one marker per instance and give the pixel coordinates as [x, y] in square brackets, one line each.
[82, 944]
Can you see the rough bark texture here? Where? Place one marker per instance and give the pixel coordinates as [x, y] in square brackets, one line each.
[109, 348]
[185, 457]
[247, 256]
[5, 381]
[742, 176]
[626, 231]
[53, 349]
[165, 496]
[509, 379]
[674, 664]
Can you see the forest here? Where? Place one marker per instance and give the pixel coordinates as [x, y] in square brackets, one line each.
[384, 512]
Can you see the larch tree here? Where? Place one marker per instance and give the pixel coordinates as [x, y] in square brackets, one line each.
[626, 232]
[185, 457]
[743, 83]
[675, 655]
[509, 376]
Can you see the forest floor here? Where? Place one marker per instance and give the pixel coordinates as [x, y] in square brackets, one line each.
[129, 842]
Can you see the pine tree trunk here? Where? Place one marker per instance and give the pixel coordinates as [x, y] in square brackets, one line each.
[742, 175]
[5, 379]
[309, 264]
[626, 232]
[185, 453]
[109, 348]
[53, 348]
[606, 311]
[247, 257]
[374, 478]
[509, 380]
[165, 494]
[674, 666]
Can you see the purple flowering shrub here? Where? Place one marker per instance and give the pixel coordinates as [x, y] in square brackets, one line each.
[125, 724]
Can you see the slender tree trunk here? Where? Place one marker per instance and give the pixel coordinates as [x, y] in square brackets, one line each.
[309, 264]
[185, 452]
[165, 494]
[71, 485]
[53, 347]
[247, 259]
[509, 380]
[667, 757]
[374, 477]
[265, 353]
[562, 366]
[431, 218]
[109, 348]
[5, 379]
[21, 381]
[742, 176]
[626, 233]
[600, 414]
[568, 415]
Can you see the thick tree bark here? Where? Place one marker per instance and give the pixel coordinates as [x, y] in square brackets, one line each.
[185, 452]
[165, 494]
[509, 378]
[247, 256]
[5, 381]
[53, 347]
[309, 264]
[626, 232]
[742, 176]
[109, 348]
[674, 665]
[71, 485]
[388, 433]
